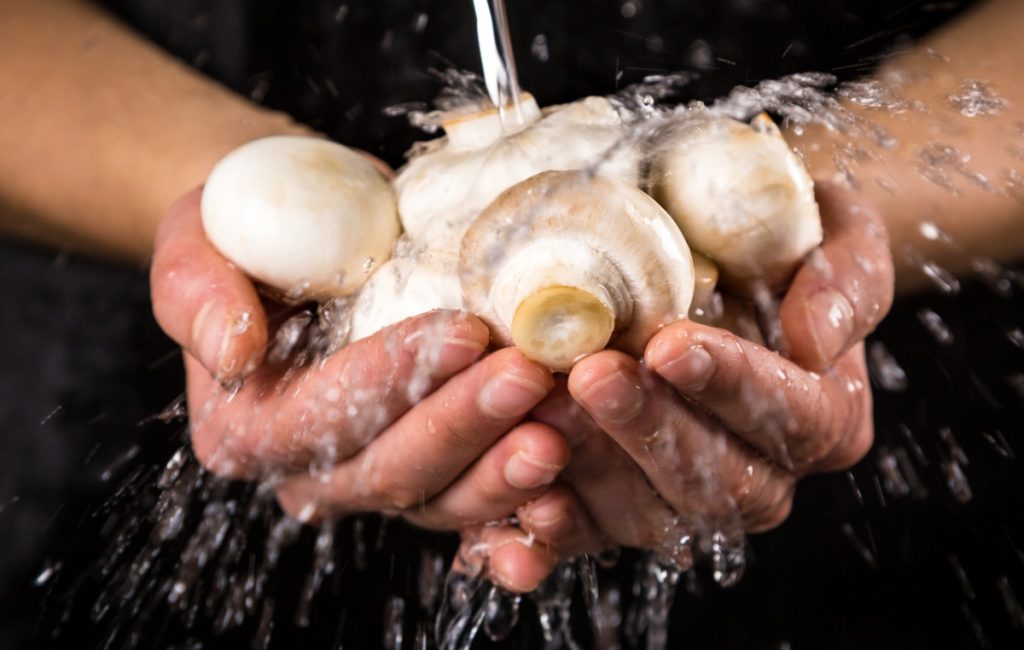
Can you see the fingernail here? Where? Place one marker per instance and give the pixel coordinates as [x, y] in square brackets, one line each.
[691, 370]
[210, 335]
[457, 353]
[831, 321]
[525, 473]
[547, 513]
[617, 398]
[510, 396]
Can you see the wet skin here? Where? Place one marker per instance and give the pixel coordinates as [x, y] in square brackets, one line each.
[606, 456]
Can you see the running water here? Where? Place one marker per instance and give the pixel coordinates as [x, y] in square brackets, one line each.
[205, 549]
[498, 62]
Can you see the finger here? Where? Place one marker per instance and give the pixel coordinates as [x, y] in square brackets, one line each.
[519, 467]
[707, 475]
[327, 412]
[794, 417]
[609, 484]
[845, 288]
[429, 447]
[203, 302]
[560, 521]
[512, 558]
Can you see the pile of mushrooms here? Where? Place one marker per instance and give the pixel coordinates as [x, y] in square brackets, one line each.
[550, 233]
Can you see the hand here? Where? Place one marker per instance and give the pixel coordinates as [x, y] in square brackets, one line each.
[715, 431]
[413, 421]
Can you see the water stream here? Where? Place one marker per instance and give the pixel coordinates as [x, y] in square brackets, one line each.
[499, 65]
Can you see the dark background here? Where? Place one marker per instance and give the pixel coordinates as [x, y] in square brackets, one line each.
[857, 565]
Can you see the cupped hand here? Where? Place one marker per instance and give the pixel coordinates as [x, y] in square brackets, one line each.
[414, 421]
[712, 432]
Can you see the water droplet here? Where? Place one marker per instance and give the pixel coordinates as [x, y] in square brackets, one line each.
[935, 326]
[941, 278]
[501, 614]
[956, 481]
[394, 613]
[728, 559]
[862, 549]
[49, 571]
[419, 23]
[892, 478]
[886, 372]
[930, 231]
[539, 48]
[975, 98]
[1013, 609]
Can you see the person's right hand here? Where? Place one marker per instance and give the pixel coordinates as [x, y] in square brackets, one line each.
[413, 421]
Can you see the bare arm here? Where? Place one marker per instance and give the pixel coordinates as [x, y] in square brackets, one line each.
[983, 45]
[100, 131]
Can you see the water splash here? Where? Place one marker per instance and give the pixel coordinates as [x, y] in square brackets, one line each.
[201, 542]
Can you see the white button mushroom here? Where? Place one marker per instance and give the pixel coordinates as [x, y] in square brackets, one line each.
[565, 263]
[308, 217]
[404, 287]
[442, 190]
[740, 196]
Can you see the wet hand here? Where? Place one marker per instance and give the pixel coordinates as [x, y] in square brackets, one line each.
[410, 421]
[714, 431]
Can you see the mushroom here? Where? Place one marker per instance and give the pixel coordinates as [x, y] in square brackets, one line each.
[705, 280]
[441, 190]
[404, 287]
[740, 196]
[566, 262]
[307, 217]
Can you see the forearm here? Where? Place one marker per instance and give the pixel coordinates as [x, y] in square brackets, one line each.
[981, 222]
[100, 131]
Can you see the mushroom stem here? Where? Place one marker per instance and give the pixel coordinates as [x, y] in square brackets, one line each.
[560, 300]
[558, 325]
[705, 280]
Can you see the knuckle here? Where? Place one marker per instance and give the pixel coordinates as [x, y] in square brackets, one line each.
[852, 439]
[752, 491]
[460, 435]
[852, 449]
[815, 436]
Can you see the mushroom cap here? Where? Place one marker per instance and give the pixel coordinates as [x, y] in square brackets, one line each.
[306, 216]
[559, 228]
[404, 287]
[740, 196]
[441, 191]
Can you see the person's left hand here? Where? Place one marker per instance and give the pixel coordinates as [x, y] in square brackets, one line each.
[713, 433]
